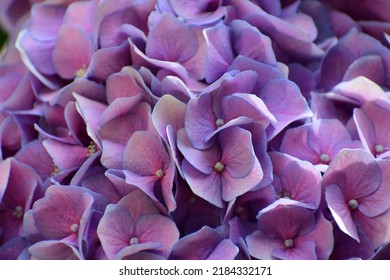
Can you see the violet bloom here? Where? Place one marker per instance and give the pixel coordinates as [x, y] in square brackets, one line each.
[248, 42]
[212, 112]
[337, 103]
[317, 142]
[181, 50]
[205, 244]
[148, 165]
[291, 32]
[372, 121]
[20, 186]
[356, 54]
[357, 193]
[290, 232]
[66, 218]
[226, 170]
[296, 180]
[135, 225]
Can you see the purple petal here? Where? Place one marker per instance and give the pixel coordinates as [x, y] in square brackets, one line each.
[237, 151]
[287, 107]
[137, 204]
[219, 54]
[379, 201]
[65, 156]
[168, 111]
[152, 228]
[370, 66]
[233, 187]
[90, 111]
[53, 250]
[115, 230]
[261, 246]
[59, 210]
[145, 154]
[204, 244]
[302, 181]
[207, 186]
[376, 228]
[200, 120]
[251, 43]
[107, 61]
[46, 20]
[165, 46]
[354, 185]
[72, 52]
[340, 211]
[202, 160]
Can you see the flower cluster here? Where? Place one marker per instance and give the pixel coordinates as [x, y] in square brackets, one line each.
[199, 129]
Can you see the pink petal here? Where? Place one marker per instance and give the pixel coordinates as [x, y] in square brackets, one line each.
[152, 228]
[237, 151]
[145, 154]
[207, 186]
[165, 46]
[115, 230]
[341, 211]
[72, 52]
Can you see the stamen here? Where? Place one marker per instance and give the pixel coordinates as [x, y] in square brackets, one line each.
[288, 243]
[56, 170]
[74, 228]
[18, 212]
[353, 204]
[219, 122]
[81, 72]
[379, 149]
[134, 241]
[159, 174]
[91, 149]
[324, 158]
[219, 166]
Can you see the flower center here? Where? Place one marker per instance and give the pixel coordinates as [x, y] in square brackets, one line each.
[18, 212]
[353, 204]
[134, 241]
[379, 149]
[74, 228]
[288, 243]
[219, 122]
[56, 170]
[159, 174]
[81, 72]
[219, 167]
[91, 149]
[324, 158]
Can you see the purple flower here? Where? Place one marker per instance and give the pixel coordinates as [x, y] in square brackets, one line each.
[147, 165]
[20, 186]
[224, 171]
[296, 180]
[357, 193]
[65, 218]
[373, 126]
[318, 142]
[290, 232]
[135, 225]
[349, 59]
[212, 112]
